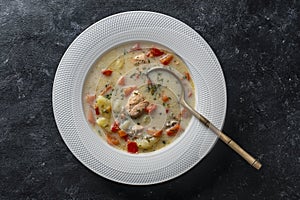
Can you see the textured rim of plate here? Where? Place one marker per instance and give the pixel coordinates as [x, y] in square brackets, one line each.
[93, 152]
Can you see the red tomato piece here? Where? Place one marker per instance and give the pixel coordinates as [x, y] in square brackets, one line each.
[125, 138]
[115, 127]
[154, 52]
[132, 147]
[107, 72]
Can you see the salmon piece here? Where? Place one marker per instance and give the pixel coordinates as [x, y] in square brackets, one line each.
[105, 90]
[90, 116]
[135, 98]
[121, 81]
[136, 105]
[190, 93]
[138, 109]
[150, 108]
[129, 90]
[136, 47]
[185, 113]
[90, 98]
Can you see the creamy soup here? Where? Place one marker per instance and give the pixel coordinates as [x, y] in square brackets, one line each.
[134, 111]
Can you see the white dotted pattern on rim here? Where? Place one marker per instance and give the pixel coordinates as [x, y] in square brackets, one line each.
[92, 151]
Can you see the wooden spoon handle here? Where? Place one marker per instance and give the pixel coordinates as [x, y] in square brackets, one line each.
[233, 145]
[227, 140]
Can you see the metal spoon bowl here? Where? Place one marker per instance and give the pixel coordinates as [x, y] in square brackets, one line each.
[233, 145]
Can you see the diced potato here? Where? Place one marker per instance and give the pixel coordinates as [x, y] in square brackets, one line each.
[103, 122]
[146, 142]
[119, 63]
[104, 106]
[117, 106]
[125, 125]
[146, 119]
[140, 57]
[102, 101]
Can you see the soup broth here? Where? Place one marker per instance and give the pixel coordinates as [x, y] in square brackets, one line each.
[134, 112]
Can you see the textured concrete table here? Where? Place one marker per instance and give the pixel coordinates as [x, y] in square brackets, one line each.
[257, 45]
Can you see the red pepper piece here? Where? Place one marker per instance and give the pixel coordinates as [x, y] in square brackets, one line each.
[132, 147]
[97, 110]
[107, 72]
[154, 52]
[115, 127]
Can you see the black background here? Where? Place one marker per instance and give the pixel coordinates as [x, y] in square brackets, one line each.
[257, 44]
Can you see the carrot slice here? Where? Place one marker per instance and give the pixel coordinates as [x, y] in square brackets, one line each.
[166, 59]
[173, 130]
[187, 76]
[155, 133]
[122, 133]
[164, 98]
[112, 140]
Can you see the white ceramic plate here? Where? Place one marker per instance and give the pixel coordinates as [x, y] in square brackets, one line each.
[88, 147]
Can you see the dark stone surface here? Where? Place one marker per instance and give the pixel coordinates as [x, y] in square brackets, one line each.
[257, 44]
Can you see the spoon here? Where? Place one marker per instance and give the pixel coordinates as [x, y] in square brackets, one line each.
[227, 140]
